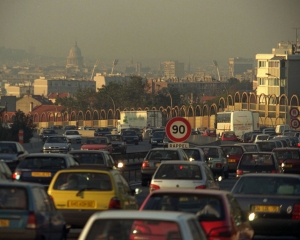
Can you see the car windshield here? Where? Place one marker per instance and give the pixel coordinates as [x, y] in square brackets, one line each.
[96, 141]
[115, 138]
[129, 133]
[8, 148]
[56, 140]
[134, 229]
[205, 206]
[287, 154]
[43, 163]
[178, 171]
[83, 181]
[72, 133]
[163, 155]
[89, 158]
[13, 198]
[267, 185]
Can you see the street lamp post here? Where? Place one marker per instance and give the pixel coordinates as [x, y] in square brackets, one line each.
[226, 96]
[114, 115]
[171, 104]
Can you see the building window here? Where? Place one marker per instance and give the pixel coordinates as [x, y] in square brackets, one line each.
[261, 81]
[262, 64]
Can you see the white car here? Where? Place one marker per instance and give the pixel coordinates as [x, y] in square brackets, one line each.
[147, 224]
[73, 135]
[183, 174]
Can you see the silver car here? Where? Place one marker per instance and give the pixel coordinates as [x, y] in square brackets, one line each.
[216, 160]
[183, 174]
[73, 135]
[57, 144]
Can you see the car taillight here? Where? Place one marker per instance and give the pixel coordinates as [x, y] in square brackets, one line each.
[145, 164]
[296, 212]
[16, 175]
[114, 203]
[154, 187]
[239, 172]
[218, 165]
[220, 232]
[31, 222]
[201, 187]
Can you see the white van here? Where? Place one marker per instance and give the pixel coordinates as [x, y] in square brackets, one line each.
[281, 127]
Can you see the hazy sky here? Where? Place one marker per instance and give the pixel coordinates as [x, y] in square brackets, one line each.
[141, 29]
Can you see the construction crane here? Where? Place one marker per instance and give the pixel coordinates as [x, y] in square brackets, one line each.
[216, 65]
[95, 65]
[115, 62]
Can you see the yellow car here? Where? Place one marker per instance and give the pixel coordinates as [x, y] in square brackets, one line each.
[80, 191]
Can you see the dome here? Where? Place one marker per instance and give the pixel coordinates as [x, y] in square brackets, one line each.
[75, 52]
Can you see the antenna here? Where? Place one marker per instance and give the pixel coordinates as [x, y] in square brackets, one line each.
[95, 65]
[115, 62]
[216, 65]
[296, 44]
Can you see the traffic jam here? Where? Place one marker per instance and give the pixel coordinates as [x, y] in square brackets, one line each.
[227, 189]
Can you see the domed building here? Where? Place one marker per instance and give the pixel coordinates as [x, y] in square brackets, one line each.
[75, 60]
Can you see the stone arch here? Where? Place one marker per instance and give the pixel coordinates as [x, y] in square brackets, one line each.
[294, 101]
[190, 111]
[205, 110]
[182, 111]
[80, 115]
[213, 109]
[110, 113]
[230, 100]
[222, 103]
[95, 115]
[103, 114]
[73, 116]
[50, 117]
[88, 115]
[44, 117]
[36, 117]
[272, 99]
[198, 110]
[65, 116]
[58, 117]
[237, 97]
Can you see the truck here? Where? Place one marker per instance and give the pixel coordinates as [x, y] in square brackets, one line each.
[141, 119]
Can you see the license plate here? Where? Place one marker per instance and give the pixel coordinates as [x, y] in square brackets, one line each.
[41, 174]
[231, 160]
[157, 164]
[288, 166]
[4, 223]
[81, 204]
[266, 208]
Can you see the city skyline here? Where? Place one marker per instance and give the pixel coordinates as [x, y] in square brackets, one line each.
[189, 31]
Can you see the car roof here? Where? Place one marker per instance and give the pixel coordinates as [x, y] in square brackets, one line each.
[182, 162]
[88, 151]
[8, 142]
[19, 184]
[290, 175]
[209, 146]
[286, 148]
[194, 148]
[145, 214]
[167, 149]
[229, 145]
[94, 167]
[47, 154]
[192, 191]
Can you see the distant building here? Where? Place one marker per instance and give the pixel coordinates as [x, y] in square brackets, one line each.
[17, 90]
[53, 96]
[239, 66]
[75, 60]
[101, 80]
[173, 69]
[28, 102]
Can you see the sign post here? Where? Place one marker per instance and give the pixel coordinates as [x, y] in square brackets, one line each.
[294, 113]
[178, 130]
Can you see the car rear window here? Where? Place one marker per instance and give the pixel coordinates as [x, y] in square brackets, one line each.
[89, 158]
[257, 159]
[287, 154]
[43, 163]
[83, 180]
[72, 133]
[178, 171]
[193, 153]
[159, 134]
[96, 141]
[266, 146]
[232, 150]
[13, 198]
[56, 140]
[206, 207]
[163, 155]
[268, 185]
[211, 152]
[134, 229]
[251, 148]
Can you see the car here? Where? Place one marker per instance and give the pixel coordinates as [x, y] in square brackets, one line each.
[12, 153]
[289, 159]
[157, 139]
[195, 154]
[216, 160]
[103, 158]
[138, 132]
[57, 144]
[102, 131]
[73, 135]
[261, 137]
[130, 136]
[228, 136]
[265, 145]
[183, 174]
[46, 133]
[69, 127]
[153, 159]
[118, 143]
[80, 191]
[150, 225]
[27, 212]
[153, 130]
[41, 167]
[255, 162]
[226, 216]
[273, 202]
[209, 133]
[5, 172]
[97, 143]
[248, 147]
[233, 154]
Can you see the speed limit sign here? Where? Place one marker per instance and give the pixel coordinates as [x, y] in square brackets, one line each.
[178, 129]
[295, 123]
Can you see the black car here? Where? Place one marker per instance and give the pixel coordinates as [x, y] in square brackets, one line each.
[273, 201]
[102, 131]
[157, 139]
[138, 132]
[258, 162]
[46, 133]
[130, 136]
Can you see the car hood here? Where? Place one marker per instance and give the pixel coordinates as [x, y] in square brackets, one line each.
[8, 156]
[55, 145]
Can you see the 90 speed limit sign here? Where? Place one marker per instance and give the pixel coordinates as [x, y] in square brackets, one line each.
[178, 129]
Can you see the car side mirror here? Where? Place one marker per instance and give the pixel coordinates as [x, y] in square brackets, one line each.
[20, 152]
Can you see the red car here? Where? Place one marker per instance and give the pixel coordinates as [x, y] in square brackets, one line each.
[218, 212]
[229, 136]
[97, 143]
[289, 159]
[209, 133]
[233, 154]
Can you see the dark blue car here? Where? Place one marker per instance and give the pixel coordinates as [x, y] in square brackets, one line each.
[27, 212]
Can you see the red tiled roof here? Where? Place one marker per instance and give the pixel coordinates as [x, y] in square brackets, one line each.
[46, 108]
[207, 98]
[60, 95]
